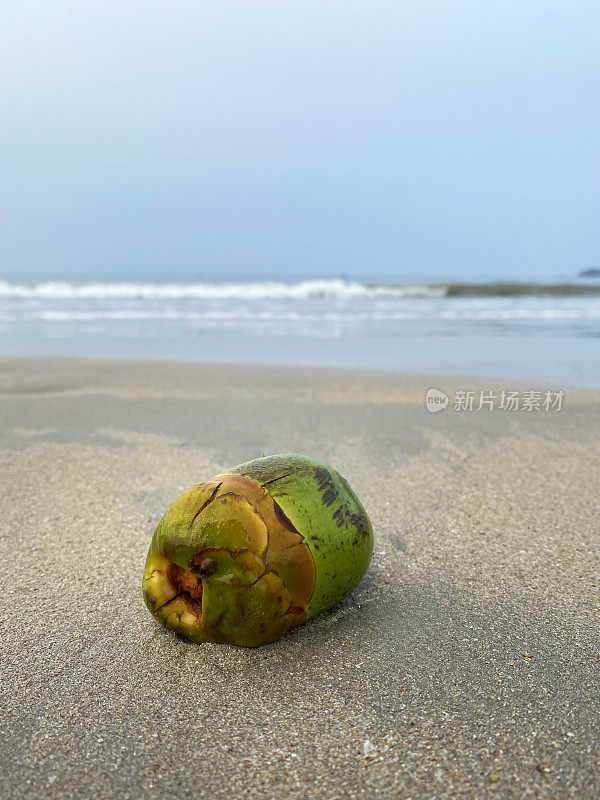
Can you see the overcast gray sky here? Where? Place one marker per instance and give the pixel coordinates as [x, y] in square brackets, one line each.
[299, 138]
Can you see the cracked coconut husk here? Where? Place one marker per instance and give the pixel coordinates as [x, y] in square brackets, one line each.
[227, 562]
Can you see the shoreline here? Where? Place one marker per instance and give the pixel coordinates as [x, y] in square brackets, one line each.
[422, 377]
[466, 657]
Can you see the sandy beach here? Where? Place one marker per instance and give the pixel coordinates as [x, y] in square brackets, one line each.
[467, 658]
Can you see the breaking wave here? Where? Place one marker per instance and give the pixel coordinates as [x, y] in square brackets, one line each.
[253, 290]
[279, 290]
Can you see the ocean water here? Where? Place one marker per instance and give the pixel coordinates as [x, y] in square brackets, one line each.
[547, 333]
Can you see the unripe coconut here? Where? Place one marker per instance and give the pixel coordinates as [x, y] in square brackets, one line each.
[256, 551]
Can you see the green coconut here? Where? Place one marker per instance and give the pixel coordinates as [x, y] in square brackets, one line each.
[256, 551]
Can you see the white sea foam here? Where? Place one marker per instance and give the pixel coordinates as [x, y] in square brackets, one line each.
[463, 315]
[307, 309]
[255, 290]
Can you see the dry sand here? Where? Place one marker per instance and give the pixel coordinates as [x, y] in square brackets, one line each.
[468, 657]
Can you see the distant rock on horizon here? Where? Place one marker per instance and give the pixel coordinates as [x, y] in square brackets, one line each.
[590, 272]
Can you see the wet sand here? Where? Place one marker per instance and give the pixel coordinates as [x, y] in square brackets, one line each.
[468, 658]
